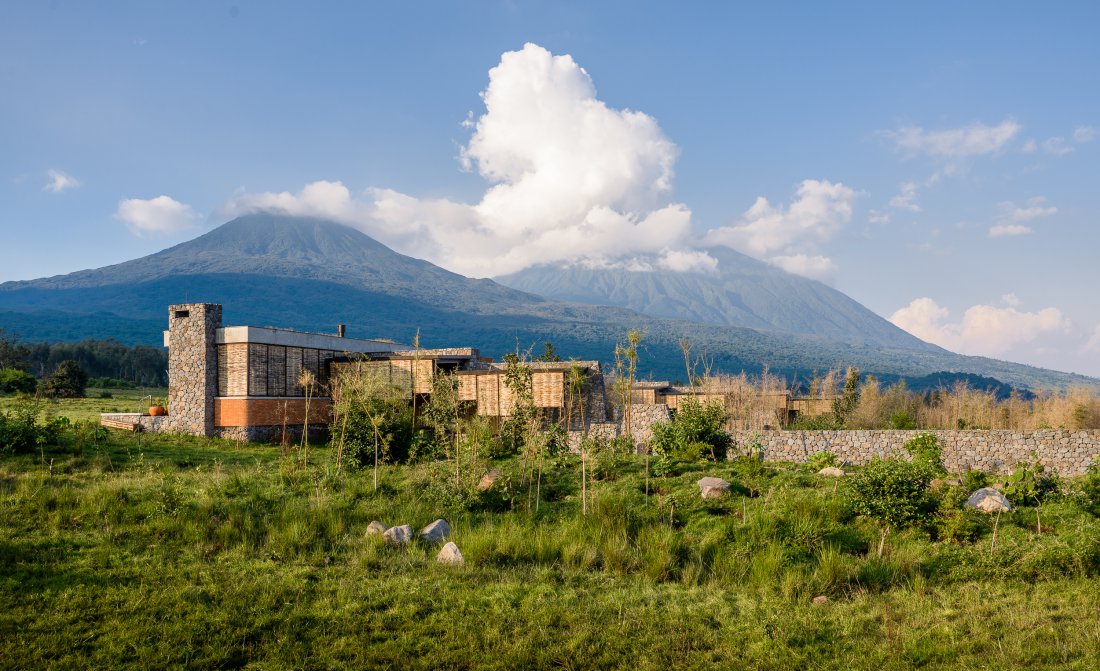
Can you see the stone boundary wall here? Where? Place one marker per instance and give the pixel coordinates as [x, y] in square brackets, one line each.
[993, 451]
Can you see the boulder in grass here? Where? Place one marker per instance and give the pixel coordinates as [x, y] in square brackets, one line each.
[436, 532]
[989, 500]
[713, 488]
[488, 480]
[821, 600]
[832, 472]
[398, 535]
[376, 527]
[450, 554]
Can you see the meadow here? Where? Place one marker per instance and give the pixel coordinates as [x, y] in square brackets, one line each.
[153, 551]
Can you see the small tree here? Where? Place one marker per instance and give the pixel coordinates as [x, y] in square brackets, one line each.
[1028, 484]
[14, 380]
[924, 448]
[892, 492]
[67, 381]
[372, 408]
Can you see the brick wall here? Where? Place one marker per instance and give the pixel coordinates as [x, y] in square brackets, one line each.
[269, 411]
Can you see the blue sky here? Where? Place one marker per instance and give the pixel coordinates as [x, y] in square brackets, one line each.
[937, 162]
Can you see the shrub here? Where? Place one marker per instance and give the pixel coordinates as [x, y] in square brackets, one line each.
[15, 381]
[1090, 486]
[67, 381]
[19, 430]
[694, 434]
[892, 492]
[822, 459]
[924, 448]
[975, 480]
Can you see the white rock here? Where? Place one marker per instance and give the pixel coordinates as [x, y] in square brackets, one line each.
[713, 488]
[376, 527]
[436, 532]
[398, 535]
[832, 472]
[820, 600]
[988, 500]
[450, 555]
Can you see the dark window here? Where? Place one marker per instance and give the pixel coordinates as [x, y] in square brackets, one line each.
[180, 314]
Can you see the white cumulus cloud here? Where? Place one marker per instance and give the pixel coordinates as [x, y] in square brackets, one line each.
[984, 330]
[1084, 134]
[819, 210]
[569, 178]
[907, 197]
[160, 215]
[973, 140]
[60, 181]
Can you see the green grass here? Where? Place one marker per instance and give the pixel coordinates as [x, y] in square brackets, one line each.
[90, 407]
[169, 552]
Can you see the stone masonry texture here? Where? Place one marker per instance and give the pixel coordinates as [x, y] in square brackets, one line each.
[1065, 452]
[192, 367]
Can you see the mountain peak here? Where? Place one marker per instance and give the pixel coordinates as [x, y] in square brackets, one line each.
[741, 292]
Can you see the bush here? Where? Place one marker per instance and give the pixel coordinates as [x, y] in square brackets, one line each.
[19, 429]
[892, 492]
[975, 480]
[1090, 486]
[924, 448]
[15, 381]
[694, 434]
[822, 459]
[68, 381]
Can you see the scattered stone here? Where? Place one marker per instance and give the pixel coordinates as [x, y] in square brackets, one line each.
[488, 480]
[376, 527]
[988, 500]
[450, 555]
[398, 535]
[436, 532]
[820, 600]
[713, 488]
[832, 472]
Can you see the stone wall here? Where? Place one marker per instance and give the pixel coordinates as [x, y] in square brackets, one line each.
[993, 451]
[192, 367]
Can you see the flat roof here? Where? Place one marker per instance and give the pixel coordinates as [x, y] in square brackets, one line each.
[266, 335]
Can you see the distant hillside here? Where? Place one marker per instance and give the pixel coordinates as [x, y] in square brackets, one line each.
[312, 274]
[741, 292]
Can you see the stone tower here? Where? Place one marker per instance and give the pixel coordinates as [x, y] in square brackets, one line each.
[192, 367]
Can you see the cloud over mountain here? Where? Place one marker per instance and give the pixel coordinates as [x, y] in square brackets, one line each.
[571, 180]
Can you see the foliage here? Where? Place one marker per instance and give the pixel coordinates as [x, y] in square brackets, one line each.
[695, 433]
[924, 448]
[822, 459]
[893, 492]
[973, 480]
[140, 365]
[846, 404]
[548, 353]
[67, 381]
[12, 353]
[19, 429]
[16, 381]
[681, 583]
[1090, 486]
[1030, 485]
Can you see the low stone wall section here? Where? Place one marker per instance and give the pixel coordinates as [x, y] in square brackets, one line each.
[993, 451]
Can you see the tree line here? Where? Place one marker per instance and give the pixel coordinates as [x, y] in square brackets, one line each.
[107, 361]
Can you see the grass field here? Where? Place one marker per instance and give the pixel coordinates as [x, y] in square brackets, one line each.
[165, 552]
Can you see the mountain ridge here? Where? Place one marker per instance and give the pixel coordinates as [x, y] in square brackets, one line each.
[311, 274]
[741, 291]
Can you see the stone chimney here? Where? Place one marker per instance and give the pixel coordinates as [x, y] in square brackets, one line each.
[192, 367]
